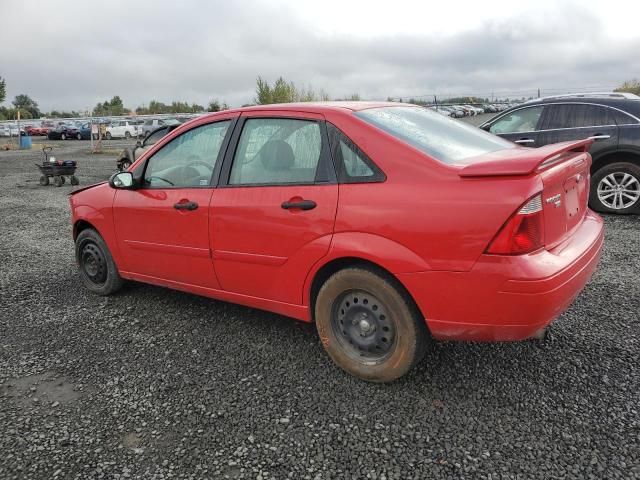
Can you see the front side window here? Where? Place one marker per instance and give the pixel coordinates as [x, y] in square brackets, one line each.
[188, 160]
[518, 121]
[276, 151]
[447, 140]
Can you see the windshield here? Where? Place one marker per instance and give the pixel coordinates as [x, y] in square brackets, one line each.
[450, 141]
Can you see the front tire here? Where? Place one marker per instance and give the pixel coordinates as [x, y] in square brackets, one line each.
[369, 326]
[44, 180]
[57, 181]
[98, 271]
[616, 189]
[79, 136]
[108, 135]
[127, 135]
[63, 136]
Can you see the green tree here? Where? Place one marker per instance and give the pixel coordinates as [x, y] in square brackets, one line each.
[264, 95]
[24, 102]
[283, 91]
[630, 86]
[3, 89]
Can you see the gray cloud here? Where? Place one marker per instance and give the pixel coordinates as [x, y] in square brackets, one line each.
[73, 57]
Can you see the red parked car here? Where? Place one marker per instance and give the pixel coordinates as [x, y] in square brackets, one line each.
[36, 131]
[385, 224]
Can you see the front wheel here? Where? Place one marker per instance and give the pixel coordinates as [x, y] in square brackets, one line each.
[108, 135]
[127, 135]
[74, 180]
[63, 136]
[44, 180]
[616, 188]
[79, 136]
[98, 271]
[369, 326]
[57, 181]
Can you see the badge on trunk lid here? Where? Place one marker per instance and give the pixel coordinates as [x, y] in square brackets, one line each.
[555, 199]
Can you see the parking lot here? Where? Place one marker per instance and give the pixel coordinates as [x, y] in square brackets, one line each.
[154, 383]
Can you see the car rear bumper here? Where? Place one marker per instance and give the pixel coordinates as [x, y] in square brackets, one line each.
[506, 298]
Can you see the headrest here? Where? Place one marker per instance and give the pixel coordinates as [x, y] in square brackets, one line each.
[277, 155]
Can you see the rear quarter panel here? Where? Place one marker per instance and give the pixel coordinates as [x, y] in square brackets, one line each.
[424, 206]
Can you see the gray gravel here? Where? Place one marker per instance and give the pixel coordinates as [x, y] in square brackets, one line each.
[152, 383]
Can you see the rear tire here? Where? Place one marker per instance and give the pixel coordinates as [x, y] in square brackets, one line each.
[79, 136]
[615, 188]
[127, 135]
[57, 181]
[98, 271]
[369, 326]
[44, 180]
[108, 135]
[63, 136]
[74, 180]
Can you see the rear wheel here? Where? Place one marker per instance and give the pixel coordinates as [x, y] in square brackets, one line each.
[616, 188]
[108, 135]
[79, 136]
[125, 165]
[57, 181]
[97, 268]
[74, 180]
[127, 135]
[44, 180]
[63, 136]
[369, 326]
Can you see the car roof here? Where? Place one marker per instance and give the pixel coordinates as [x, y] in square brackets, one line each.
[630, 105]
[316, 107]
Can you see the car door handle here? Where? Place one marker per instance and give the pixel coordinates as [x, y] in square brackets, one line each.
[599, 136]
[525, 140]
[185, 205]
[299, 204]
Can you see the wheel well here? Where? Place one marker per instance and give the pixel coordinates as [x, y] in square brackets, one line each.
[613, 158]
[79, 226]
[347, 262]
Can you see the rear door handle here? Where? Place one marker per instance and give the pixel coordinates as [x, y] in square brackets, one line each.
[599, 136]
[300, 205]
[185, 206]
[525, 141]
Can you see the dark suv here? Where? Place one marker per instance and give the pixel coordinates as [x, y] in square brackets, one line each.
[612, 119]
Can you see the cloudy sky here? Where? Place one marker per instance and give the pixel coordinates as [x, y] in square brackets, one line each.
[70, 55]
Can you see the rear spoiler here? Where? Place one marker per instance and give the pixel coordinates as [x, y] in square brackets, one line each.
[523, 160]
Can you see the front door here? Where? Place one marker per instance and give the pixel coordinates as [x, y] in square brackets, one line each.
[162, 228]
[275, 208]
[519, 126]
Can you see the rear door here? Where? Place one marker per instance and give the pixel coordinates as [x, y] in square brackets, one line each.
[520, 126]
[274, 211]
[562, 122]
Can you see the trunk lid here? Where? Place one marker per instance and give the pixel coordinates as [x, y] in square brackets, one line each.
[564, 170]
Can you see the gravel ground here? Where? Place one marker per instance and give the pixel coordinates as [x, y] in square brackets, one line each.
[152, 383]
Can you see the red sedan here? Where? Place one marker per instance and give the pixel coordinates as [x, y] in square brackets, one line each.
[385, 224]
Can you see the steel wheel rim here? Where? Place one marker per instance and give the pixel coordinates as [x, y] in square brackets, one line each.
[93, 263]
[619, 190]
[363, 326]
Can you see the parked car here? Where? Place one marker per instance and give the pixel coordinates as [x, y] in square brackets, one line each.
[130, 154]
[150, 125]
[85, 130]
[35, 131]
[122, 129]
[64, 132]
[385, 224]
[613, 120]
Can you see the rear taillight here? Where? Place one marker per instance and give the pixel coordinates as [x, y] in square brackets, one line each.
[523, 232]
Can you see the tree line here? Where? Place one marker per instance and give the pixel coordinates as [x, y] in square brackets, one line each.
[280, 91]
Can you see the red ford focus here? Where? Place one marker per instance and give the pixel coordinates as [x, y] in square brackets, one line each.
[385, 224]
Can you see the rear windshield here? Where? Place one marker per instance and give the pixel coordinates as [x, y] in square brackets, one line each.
[450, 141]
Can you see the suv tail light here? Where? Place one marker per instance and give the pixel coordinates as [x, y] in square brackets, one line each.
[523, 232]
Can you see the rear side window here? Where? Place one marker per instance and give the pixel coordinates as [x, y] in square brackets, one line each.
[275, 151]
[447, 140]
[576, 115]
[622, 118]
[352, 165]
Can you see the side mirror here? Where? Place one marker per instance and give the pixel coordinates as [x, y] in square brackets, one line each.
[486, 128]
[122, 180]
